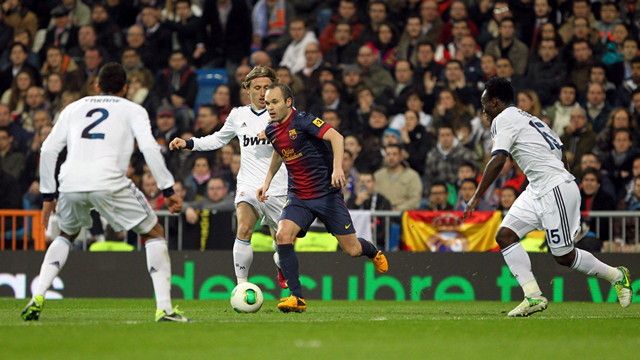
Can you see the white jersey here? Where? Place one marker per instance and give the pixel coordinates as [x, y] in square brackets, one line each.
[98, 132]
[245, 124]
[534, 147]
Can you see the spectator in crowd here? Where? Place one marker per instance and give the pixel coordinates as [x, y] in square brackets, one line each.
[438, 197]
[581, 9]
[592, 199]
[140, 92]
[227, 32]
[619, 118]
[166, 128]
[208, 121]
[58, 62]
[366, 197]
[591, 160]
[490, 28]
[18, 59]
[414, 103]
[504, 69]
[617, 163]
[293, 57]
[455, 80]
[386, 45]
[269, 22]
[15, 96]
[92, 61]
[196, 181]
[351, 175]
[285, 76]
[62, 33]
[34, 102]
[373, 74]
[443, 160]
[152, 193]
[332, 117]
[631, 85]
[177, 86]
[508, 196]
[449, 109]
[597, 107]
[416, 140]
[469, 56]
[410, 38]
[507, 45]
[609, 18]
[578, 139]
[404, 86]
[629, 52]
[527, 100]
[457, 12]
[467, 189]
[87, 39]
[11, 162]
[222, 102]
[188, 29]
[432, 23]
[580, 64]
[157, 39]
[635, 106]
[547, 71]
[633, 201]
[20, 136]
[560, 112]
[53, 91]
[597, 74]
[314, 63]
[217, 198]
[425, 60]
[347, 11]
[378, 13]
[330, 100]
[397, 182]
[109, 34]
[19, 17]
[345, 50]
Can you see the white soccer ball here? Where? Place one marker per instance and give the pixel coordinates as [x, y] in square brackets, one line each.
[246, 298]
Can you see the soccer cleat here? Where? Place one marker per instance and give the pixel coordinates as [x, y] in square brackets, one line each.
[292, 304]
[33, 309]
[623, 287]
[528, 306]
[282, 282]
[175, 316]
[380, 263]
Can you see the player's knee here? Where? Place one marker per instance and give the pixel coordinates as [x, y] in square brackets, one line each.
[244, 231]
[565, 260]
[284, 237]
[506, 237]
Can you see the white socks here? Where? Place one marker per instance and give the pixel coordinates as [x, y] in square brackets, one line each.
[159, 267]
[588, 264]
[520, 265]
[242, 259]
[54, 260]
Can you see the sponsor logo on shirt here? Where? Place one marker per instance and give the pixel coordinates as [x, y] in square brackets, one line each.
[290, 154]
[318, 122]
[251, 141]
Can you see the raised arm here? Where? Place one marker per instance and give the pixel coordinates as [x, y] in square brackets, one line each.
[210, 142]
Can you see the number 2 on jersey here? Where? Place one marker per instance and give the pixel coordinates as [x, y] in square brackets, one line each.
[104, 114]
[553, 143]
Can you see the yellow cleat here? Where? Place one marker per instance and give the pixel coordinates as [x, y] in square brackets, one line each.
[292, 304]
[380, 263]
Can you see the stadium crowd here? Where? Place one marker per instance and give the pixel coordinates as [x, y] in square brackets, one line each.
[400, 79]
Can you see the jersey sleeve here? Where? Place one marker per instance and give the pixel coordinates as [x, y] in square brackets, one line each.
[219, 138]
[504, 135]
[51, 148]
[314, 126]
[141, 128]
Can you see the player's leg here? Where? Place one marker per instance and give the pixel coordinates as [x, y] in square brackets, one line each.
[242, 250]
[272, 209]
[520, 220]
[127, 209]
[561, 232]
[73, 213]
[296, 219]
[333, 212]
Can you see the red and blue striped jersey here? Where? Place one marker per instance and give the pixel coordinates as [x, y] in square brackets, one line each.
[308, 158]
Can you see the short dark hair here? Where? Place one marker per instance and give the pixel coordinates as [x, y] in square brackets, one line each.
[112, 78]
[635, 60]
[286, 90]
[20, 45]
[470, 180]
[592, 171]
[5, 129]
[210, 107]
[499, 88]
[469, 164]
[439, 183]
[397, 146]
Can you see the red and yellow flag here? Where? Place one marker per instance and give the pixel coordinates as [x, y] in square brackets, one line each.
[445, 231]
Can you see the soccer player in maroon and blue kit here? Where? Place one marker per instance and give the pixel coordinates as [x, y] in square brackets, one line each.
[315, 179]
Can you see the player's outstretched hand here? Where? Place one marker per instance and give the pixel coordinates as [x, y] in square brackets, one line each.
[261, 193]
[174, 203]
[177, 144]
[48, 207]
[471, 206]
[337, 178]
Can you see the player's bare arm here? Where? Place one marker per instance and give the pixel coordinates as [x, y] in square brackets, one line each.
[491, 172]
[276, 162]
[338, 179]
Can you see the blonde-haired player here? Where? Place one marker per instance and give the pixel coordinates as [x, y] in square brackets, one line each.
[247, 123]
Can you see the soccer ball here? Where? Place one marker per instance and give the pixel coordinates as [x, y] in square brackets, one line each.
[246, 298]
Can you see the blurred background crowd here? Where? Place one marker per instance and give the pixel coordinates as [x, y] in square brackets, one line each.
[400, 79]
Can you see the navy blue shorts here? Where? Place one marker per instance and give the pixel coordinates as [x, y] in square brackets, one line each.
[330, 209]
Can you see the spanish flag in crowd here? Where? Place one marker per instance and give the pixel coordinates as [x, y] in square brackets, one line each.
[446, 231]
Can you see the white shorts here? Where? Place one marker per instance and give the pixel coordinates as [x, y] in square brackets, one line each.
[268, 211]
[124, 209]
[557, 212]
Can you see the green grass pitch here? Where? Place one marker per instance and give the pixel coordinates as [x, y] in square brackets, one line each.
[124, 329]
